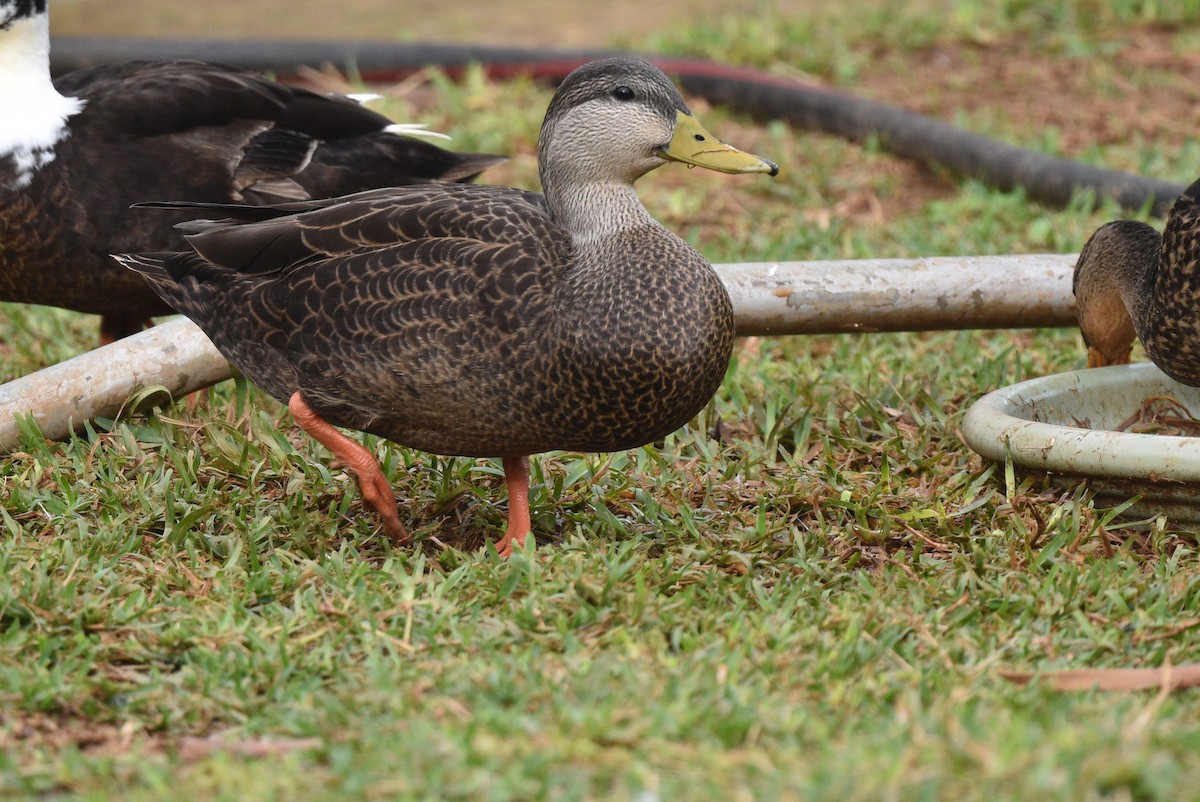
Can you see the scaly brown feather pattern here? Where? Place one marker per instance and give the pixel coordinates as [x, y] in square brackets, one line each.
[1130, 280]
[183, 130]
[460, 320]
[482, 321]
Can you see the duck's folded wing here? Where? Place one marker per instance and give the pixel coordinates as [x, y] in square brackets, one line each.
[376, 220]
[394, 292]
[149, 98]
[429, 321]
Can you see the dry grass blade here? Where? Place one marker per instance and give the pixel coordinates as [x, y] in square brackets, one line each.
[1161, 415]
[193, 749]
[1113, 679]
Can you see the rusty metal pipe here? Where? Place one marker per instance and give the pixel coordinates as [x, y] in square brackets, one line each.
[769, 298]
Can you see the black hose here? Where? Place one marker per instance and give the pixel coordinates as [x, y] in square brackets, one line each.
[1047, 179]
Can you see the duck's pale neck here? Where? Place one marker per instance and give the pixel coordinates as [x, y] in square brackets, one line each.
[29, 136]
[588, 182]
[597, 211]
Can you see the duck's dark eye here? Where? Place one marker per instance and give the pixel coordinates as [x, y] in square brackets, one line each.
[623, 93]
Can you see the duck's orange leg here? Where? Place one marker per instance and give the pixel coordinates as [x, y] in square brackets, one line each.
[516, 477]
[373, 485]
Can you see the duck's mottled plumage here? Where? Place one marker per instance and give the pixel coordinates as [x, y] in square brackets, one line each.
[477, 304]
[478, 320]
[1131, 281]
[168, 130]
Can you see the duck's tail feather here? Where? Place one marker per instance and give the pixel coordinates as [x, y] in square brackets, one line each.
[150, 265]
[185, 281]
[154, 268]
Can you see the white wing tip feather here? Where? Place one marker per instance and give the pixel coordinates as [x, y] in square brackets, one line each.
[414, 129]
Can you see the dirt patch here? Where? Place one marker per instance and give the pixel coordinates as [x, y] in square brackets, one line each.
[39, 731]
[1139, 87]
[42, 731]
[1135, 91]
[1097, 100]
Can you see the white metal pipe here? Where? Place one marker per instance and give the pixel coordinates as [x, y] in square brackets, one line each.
[98, 384]
[769, 298]
[928, 294]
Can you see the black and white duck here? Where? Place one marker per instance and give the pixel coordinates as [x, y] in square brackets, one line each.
[76, 152]
[475, 320]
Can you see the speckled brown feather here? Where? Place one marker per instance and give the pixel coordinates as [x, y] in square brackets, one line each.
[1170, 328]
[478, 331]
[1130, 280]
[183, 130]
[468, 320]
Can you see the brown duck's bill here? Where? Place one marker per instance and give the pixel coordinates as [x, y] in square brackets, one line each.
[1099, 359]
[695, 146]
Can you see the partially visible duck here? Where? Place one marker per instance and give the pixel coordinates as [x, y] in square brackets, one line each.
[474, 320]
[77, 152]
[1131, 281]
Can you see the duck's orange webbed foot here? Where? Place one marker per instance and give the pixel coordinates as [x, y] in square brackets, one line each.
[373, 485]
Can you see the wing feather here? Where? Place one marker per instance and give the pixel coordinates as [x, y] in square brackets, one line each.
[414, 288]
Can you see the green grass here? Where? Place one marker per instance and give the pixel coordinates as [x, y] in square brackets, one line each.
[816, 606]
[840, 41]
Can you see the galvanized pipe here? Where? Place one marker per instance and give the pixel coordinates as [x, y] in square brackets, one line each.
[769, 298]
[929, 294]
[99, 384]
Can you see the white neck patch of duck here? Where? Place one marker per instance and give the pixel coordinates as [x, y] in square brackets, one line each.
[34, 117]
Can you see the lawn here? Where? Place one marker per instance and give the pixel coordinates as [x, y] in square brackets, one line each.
[818, 604]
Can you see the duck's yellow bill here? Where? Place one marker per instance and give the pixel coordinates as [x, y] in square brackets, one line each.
[695, 146]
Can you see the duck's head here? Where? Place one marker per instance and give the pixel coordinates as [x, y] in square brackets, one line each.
[619, 118]
[1111, 286]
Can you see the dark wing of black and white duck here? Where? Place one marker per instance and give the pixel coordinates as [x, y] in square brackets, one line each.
[1131, 281]
[475, 320]
[75, 154]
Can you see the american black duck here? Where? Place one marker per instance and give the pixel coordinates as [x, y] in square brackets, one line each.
[77, 152]
[1131, 281]
[481, 321]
